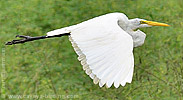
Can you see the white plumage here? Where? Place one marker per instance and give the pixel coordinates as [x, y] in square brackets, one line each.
[104, 46]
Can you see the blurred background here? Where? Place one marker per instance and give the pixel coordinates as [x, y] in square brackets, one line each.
[50, 67]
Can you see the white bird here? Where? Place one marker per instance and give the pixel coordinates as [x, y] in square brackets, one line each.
[104, 46]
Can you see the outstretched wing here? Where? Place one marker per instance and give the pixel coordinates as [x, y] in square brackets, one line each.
[105, 51]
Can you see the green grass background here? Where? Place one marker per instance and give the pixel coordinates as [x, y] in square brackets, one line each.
[50, 67]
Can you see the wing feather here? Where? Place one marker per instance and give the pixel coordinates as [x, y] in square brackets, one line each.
[105, 51]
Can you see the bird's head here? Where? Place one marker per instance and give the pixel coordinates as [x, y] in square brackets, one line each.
[140, 23]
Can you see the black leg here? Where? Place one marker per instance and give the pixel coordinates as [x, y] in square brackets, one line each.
[29, 38]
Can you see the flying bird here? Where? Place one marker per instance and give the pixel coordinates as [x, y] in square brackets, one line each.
[104, 46]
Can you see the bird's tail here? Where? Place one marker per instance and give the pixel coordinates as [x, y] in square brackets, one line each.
[59, 32]
[63, 30]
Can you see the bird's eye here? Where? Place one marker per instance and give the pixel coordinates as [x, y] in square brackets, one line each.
[142, 22]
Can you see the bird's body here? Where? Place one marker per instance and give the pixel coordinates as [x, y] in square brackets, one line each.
[105, 22]
[105, 46]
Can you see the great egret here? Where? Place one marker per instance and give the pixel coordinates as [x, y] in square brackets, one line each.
[104, 45]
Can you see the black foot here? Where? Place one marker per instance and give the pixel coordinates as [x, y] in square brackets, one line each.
[24, 39]
[23, 36]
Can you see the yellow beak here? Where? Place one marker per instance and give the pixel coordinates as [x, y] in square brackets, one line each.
[154, 23]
